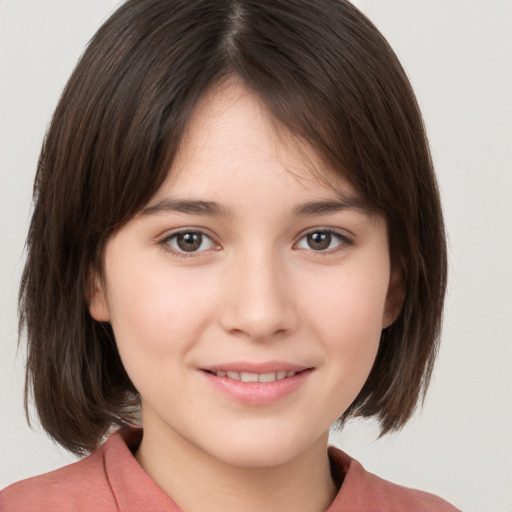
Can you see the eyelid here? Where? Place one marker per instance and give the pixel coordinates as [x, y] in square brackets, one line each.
[163, 242]
[345, 240]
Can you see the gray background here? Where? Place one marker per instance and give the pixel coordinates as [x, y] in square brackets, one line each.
[458, 54]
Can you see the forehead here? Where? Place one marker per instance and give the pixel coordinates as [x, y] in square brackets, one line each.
[232, 139]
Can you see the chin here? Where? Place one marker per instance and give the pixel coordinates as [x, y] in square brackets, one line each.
[260, 450]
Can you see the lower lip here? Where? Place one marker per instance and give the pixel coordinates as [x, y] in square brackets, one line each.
[258, 393]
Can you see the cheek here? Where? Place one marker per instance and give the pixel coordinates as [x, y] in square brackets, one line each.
[347, 315]
[351, 337]
[353, 301]
[154, 315]
[157, 321]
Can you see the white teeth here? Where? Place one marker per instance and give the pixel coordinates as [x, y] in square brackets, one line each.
[248, 377]
[267, 377]
[256, 377]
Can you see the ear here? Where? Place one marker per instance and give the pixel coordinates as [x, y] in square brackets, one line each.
[395, 297]
[98, 305]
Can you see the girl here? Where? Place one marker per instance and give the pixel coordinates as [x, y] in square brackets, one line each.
[237, 240]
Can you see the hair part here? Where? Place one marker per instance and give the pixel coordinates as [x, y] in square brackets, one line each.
[326, 74]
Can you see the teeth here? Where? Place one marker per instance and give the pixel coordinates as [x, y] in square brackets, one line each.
[267, 377]
[256, 377]
[248, 377]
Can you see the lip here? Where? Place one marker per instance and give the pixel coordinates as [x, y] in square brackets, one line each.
[257, 393]
[251, 367]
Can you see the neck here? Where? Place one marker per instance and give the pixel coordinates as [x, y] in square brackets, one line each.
[197, 481]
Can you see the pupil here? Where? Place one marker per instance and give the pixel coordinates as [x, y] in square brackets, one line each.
[189, 241]
[319, 241]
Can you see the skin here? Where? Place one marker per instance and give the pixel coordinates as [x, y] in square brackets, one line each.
[254, 291]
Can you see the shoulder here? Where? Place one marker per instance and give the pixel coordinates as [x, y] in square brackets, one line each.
[109, 480]
[364, 491]
[83, 485]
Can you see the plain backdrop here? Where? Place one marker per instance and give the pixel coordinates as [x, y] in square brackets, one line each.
[458, 55]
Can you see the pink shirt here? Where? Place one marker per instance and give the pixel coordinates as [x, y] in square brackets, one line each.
[111, 480]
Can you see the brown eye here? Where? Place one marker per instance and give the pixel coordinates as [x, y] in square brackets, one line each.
[319, 241]
[323, 240]
[190, 241]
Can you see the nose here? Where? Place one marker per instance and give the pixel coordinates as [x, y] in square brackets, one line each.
[259, 302]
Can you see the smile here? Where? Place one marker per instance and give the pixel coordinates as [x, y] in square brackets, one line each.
[256, 377]
[258, 385]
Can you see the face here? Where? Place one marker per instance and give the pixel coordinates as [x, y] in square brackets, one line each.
[248, 298]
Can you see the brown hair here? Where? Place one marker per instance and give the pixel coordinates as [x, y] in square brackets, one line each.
[327, 74]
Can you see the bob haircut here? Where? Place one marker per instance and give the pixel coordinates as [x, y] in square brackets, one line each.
[327, 75]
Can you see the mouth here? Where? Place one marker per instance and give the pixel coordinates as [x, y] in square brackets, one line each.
[257, 384]
[255, 377]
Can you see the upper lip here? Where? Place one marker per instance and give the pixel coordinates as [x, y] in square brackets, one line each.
[253, 367]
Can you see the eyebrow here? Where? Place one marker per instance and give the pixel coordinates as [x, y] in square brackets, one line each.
[190, 206]
[212, 208]
[345, 202]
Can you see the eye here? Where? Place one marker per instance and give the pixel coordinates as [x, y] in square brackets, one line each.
[188, 242]
[323, 240]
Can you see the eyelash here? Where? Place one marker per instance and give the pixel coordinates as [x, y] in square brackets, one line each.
[165, 242]
[344, 241]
